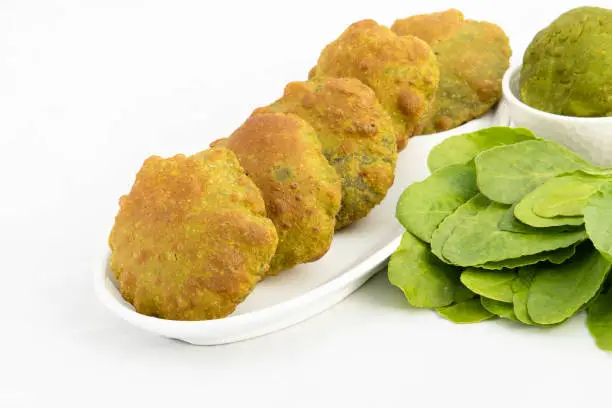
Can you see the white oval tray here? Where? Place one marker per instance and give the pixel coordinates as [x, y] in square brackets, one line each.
[357, 253]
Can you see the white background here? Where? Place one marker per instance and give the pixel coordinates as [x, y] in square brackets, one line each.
[88, 89]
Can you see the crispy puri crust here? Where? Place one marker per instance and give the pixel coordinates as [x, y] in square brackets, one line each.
[302, 192]
[356, 134]
[191, 239]
[432, 27]
[473, 57]
[402, 71]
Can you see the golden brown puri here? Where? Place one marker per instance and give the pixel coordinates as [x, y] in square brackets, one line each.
[356, 134]
[302, 192]
[432, 27]
[402, 71]
[473, 57]
[191, 238]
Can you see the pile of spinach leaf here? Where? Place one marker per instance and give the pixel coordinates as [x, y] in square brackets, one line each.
[508, 226]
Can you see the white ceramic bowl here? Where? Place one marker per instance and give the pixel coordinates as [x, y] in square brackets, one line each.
[589, 137]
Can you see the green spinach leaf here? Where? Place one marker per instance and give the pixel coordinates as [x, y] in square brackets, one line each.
[424, 205]
[511, 224]
[565, 195]
[557, 256]
[520, 287]
[559, 291]
[524, 213]
[599, 321]
[445, 229]
[425, 280]
[598, 220]
[469, 311]
[470, 237]
[461, 149]
[501, 309]
[506, 173]
[495, 285]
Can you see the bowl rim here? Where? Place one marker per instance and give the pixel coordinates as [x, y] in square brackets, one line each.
[515, 100]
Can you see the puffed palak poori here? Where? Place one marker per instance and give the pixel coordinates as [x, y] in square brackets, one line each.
[302, 192]
[402, 71]
[356, 134]
[473, 57]
[191, 238]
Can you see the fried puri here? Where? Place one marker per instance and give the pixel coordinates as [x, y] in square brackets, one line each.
[402, 71]
[356, 135]
[302, 192]
[191, 238]
[473, 57]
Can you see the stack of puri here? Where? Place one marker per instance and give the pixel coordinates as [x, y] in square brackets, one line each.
[196, 233]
